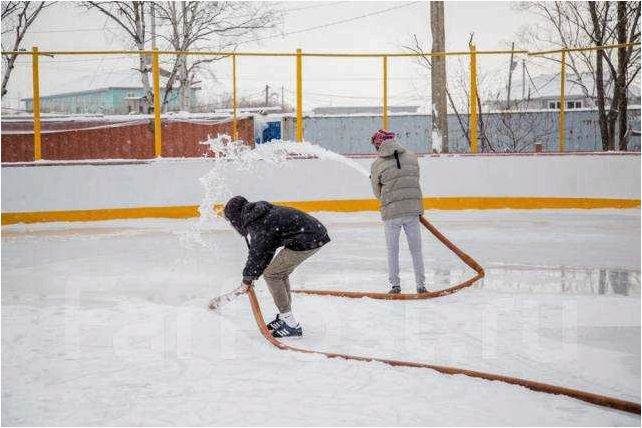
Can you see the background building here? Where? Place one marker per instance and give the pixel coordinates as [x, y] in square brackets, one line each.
[363, 110]
[110, 100]
[543, 92]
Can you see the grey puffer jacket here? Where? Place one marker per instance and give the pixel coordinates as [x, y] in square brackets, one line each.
[395, 181]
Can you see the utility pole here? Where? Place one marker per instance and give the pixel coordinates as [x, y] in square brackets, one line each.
[438, 79]
[523, 79]
[282, 100]
[267, 96]
[511, 67]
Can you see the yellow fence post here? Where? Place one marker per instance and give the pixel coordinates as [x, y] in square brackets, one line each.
[473, 99]
[157, 105]
[37, 142]
[562, 119]
[385, 92]
[299, 96]
[235, 132]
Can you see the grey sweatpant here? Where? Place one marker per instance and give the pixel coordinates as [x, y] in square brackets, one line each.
[277, 275]
[410, 225]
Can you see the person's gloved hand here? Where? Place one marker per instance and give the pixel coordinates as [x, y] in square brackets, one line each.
[245, 284]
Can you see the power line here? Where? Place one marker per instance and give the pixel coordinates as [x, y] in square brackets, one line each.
[303, 30]
[76, 30]
[331, 79]
[318, 94]
[47, 60]
[330, 24]
[93, 77]
[334, 3]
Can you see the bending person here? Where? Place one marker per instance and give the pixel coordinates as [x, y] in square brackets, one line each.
[395, 182]
[270, 227]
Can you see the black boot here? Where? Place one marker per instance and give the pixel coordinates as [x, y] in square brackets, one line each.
[421, 289]
[396, 289]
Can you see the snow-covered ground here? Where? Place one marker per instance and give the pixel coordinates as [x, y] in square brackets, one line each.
[105, 324]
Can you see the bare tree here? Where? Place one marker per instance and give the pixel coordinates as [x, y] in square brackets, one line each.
[130, 17]
[459, 84]
[195, 25]
[581, 24]
[626, 34]
[516, 130]
[607, 32]
[426, 62]
[598, 37]
[17, 17]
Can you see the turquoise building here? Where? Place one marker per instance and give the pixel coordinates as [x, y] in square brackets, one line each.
[110, 100]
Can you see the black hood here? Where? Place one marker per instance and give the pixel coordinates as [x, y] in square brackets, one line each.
[254, 211]
[233, 212]
[242, 213]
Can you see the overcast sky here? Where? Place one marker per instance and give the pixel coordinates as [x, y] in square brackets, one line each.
[326, 81]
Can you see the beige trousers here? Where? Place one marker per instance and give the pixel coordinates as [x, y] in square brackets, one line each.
[277, 275]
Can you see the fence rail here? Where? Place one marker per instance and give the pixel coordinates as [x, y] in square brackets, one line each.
[472, 53]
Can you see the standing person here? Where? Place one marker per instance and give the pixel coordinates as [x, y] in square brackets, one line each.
[395, 182]
[270, 227]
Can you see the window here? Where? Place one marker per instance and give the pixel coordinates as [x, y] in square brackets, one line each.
[569, 105]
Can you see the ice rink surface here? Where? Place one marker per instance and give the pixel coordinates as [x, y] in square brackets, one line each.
[106, 324]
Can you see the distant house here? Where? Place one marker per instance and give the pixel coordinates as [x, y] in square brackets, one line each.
[543, 92]
[363, 110]
[110, 100]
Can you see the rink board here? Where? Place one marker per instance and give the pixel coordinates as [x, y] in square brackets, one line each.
[171, 188]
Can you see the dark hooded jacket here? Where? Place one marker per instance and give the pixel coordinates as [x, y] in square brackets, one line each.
[270, 227]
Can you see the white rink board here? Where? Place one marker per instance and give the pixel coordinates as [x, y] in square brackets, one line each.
[175, 182]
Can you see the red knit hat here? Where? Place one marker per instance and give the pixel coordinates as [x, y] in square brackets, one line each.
[380, 136]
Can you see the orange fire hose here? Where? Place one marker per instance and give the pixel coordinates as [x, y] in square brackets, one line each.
[589, 397]
[600, 400]
[429, 295]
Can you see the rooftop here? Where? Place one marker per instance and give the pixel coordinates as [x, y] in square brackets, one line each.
[95, 91]
[363, 109]
[548, 86]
